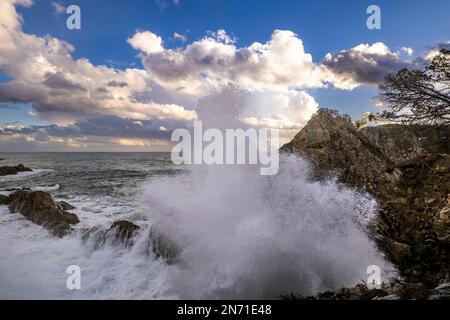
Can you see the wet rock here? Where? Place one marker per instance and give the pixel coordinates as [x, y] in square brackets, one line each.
[4, 200]
[119, 234]
[335, 147]
[122, 231]
[163, 247]
[441, 292]
[40, 208]
[65, 206]
[407, 169]
[4, 171]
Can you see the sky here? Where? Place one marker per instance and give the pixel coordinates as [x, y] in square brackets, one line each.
[137, 70]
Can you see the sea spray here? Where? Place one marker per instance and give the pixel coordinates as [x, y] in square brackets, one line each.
[249, 236]
[242, 235]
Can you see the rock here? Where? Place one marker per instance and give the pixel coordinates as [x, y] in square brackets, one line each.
[333, 145]
[123, 231]
[40, 208]
[163, 247]
[4, 200]
[441, 292]
[119, 234]
[65, 206]
[397, 142]
[13, 170]
[407, 169]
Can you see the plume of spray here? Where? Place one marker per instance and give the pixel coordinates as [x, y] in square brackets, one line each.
[243, 235]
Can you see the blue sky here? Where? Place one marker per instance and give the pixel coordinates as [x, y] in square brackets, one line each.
[323, 27]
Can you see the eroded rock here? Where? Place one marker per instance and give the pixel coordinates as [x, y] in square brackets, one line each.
[4, 171]
[40, 208]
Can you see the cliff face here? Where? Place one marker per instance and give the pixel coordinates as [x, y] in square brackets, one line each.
[407, 169]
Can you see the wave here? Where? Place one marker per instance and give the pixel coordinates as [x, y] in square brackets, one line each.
[241, 235]
[248, 236]
[24, 175]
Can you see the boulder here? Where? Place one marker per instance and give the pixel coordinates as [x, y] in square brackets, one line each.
[40, 208]
[120, 233]
[4, 171]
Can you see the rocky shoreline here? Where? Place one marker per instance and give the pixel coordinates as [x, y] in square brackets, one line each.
[407, 169]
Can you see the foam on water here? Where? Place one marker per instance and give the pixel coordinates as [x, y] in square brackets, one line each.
[24, 175]
[249, 236]
[242, 235]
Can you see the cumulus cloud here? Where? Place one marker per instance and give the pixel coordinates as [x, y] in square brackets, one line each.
[215, 61]
[363, 64]
[147, 42]
[264, 84]
[45, 74]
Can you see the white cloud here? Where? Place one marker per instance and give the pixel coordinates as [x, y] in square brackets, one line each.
[147, 42]
[362, 64]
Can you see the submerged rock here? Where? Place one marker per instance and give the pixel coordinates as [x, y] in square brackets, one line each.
[40, 208]
[4, 171]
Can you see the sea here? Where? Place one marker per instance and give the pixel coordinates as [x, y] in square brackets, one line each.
[242, 235]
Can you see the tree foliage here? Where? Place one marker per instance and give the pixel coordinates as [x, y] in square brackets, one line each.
[420, 96]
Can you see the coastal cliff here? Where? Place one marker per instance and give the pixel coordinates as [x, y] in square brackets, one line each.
[407, 169]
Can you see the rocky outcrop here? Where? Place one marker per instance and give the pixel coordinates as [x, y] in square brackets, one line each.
[4, 171]
[386, 291]
[407, 169]
[119, 234]
[123, 231]
[335, 147]
[40, 208]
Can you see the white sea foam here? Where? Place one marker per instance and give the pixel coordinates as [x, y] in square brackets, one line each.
[248, 236]
[24, 175]
[46, 188]
[243, 236]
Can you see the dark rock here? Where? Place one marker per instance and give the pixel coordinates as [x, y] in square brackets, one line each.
[4, 200]
[164, 247]
[65, 206]
[123, 231]
[120, 234]
[334, 146]
[441, 292]
[407, 169]
[40, 208]
[13, 170]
